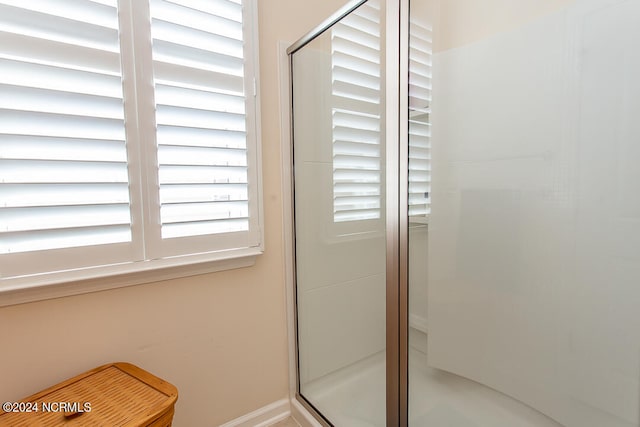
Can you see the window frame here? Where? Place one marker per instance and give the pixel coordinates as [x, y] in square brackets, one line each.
[160, 260]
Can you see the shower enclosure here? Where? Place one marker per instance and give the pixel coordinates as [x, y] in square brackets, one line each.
[466, 213]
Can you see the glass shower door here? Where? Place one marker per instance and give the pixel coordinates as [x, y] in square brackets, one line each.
[525, 272]
[339, 208]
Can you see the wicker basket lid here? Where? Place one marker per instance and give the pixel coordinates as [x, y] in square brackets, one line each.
[118, 394]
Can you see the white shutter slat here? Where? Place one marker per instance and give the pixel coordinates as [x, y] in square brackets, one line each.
[175, 135]
[419, 165]
[200, 99]
[193, 212]
[29, 74]
[214, 20]
[198, 228]
[60, 217]
[349, 148]
[419, 98]
[47, 51]
[350, 62]
[199, 156]
[202, 175]
[202, 119]
[42, 171]
[205, 39]
[359, 22]
[420, 146]
[39, 194]
[360, 208]
[418, 151]
[356, 162]
[200, 59]
[354, 189]
[354, 49]
[192, 193]
[357, 202]
[198, 52]
[356, 120]
[350, 103]
[419, 129]
[420, 53]
[364, 80]
[362, 26]
[362, 136]
[421, 186]
[68, 238]
[356, 92]
[58, 102]
[353, 175]
[370, 10]
[352, 40]
[27, 147]
[167, 72]
[231, 10]
[59, 28]
[96, 12]
[60, 125]
[420, 86]
[356, 215]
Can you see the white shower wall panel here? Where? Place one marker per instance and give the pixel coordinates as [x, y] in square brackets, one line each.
[534, 268]
[346, 322]
[341, 285]
[418, 268]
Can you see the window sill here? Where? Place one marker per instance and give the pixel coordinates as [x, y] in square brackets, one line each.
[22, 290]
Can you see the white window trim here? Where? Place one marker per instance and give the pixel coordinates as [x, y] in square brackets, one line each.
[56, 284]
[87, 280]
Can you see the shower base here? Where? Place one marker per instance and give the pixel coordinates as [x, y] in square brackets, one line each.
[355, 397]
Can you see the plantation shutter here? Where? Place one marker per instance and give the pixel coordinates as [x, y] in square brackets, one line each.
[199, 76]
[420, 51]
[63, 158]
[128, 138]
[356, 96]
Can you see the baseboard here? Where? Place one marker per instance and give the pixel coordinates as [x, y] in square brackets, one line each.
[263, 417]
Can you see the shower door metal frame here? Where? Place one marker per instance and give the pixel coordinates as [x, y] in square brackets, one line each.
[396, 54]
[402, 34]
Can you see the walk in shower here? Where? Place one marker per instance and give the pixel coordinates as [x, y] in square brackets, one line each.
[466, 213]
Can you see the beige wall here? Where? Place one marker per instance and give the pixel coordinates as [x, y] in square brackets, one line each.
[220, 338]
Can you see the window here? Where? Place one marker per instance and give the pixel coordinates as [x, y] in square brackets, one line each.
[356, 97]
[117, 154]
[356, 93]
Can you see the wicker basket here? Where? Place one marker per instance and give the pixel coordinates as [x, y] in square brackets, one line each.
[117, 394]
